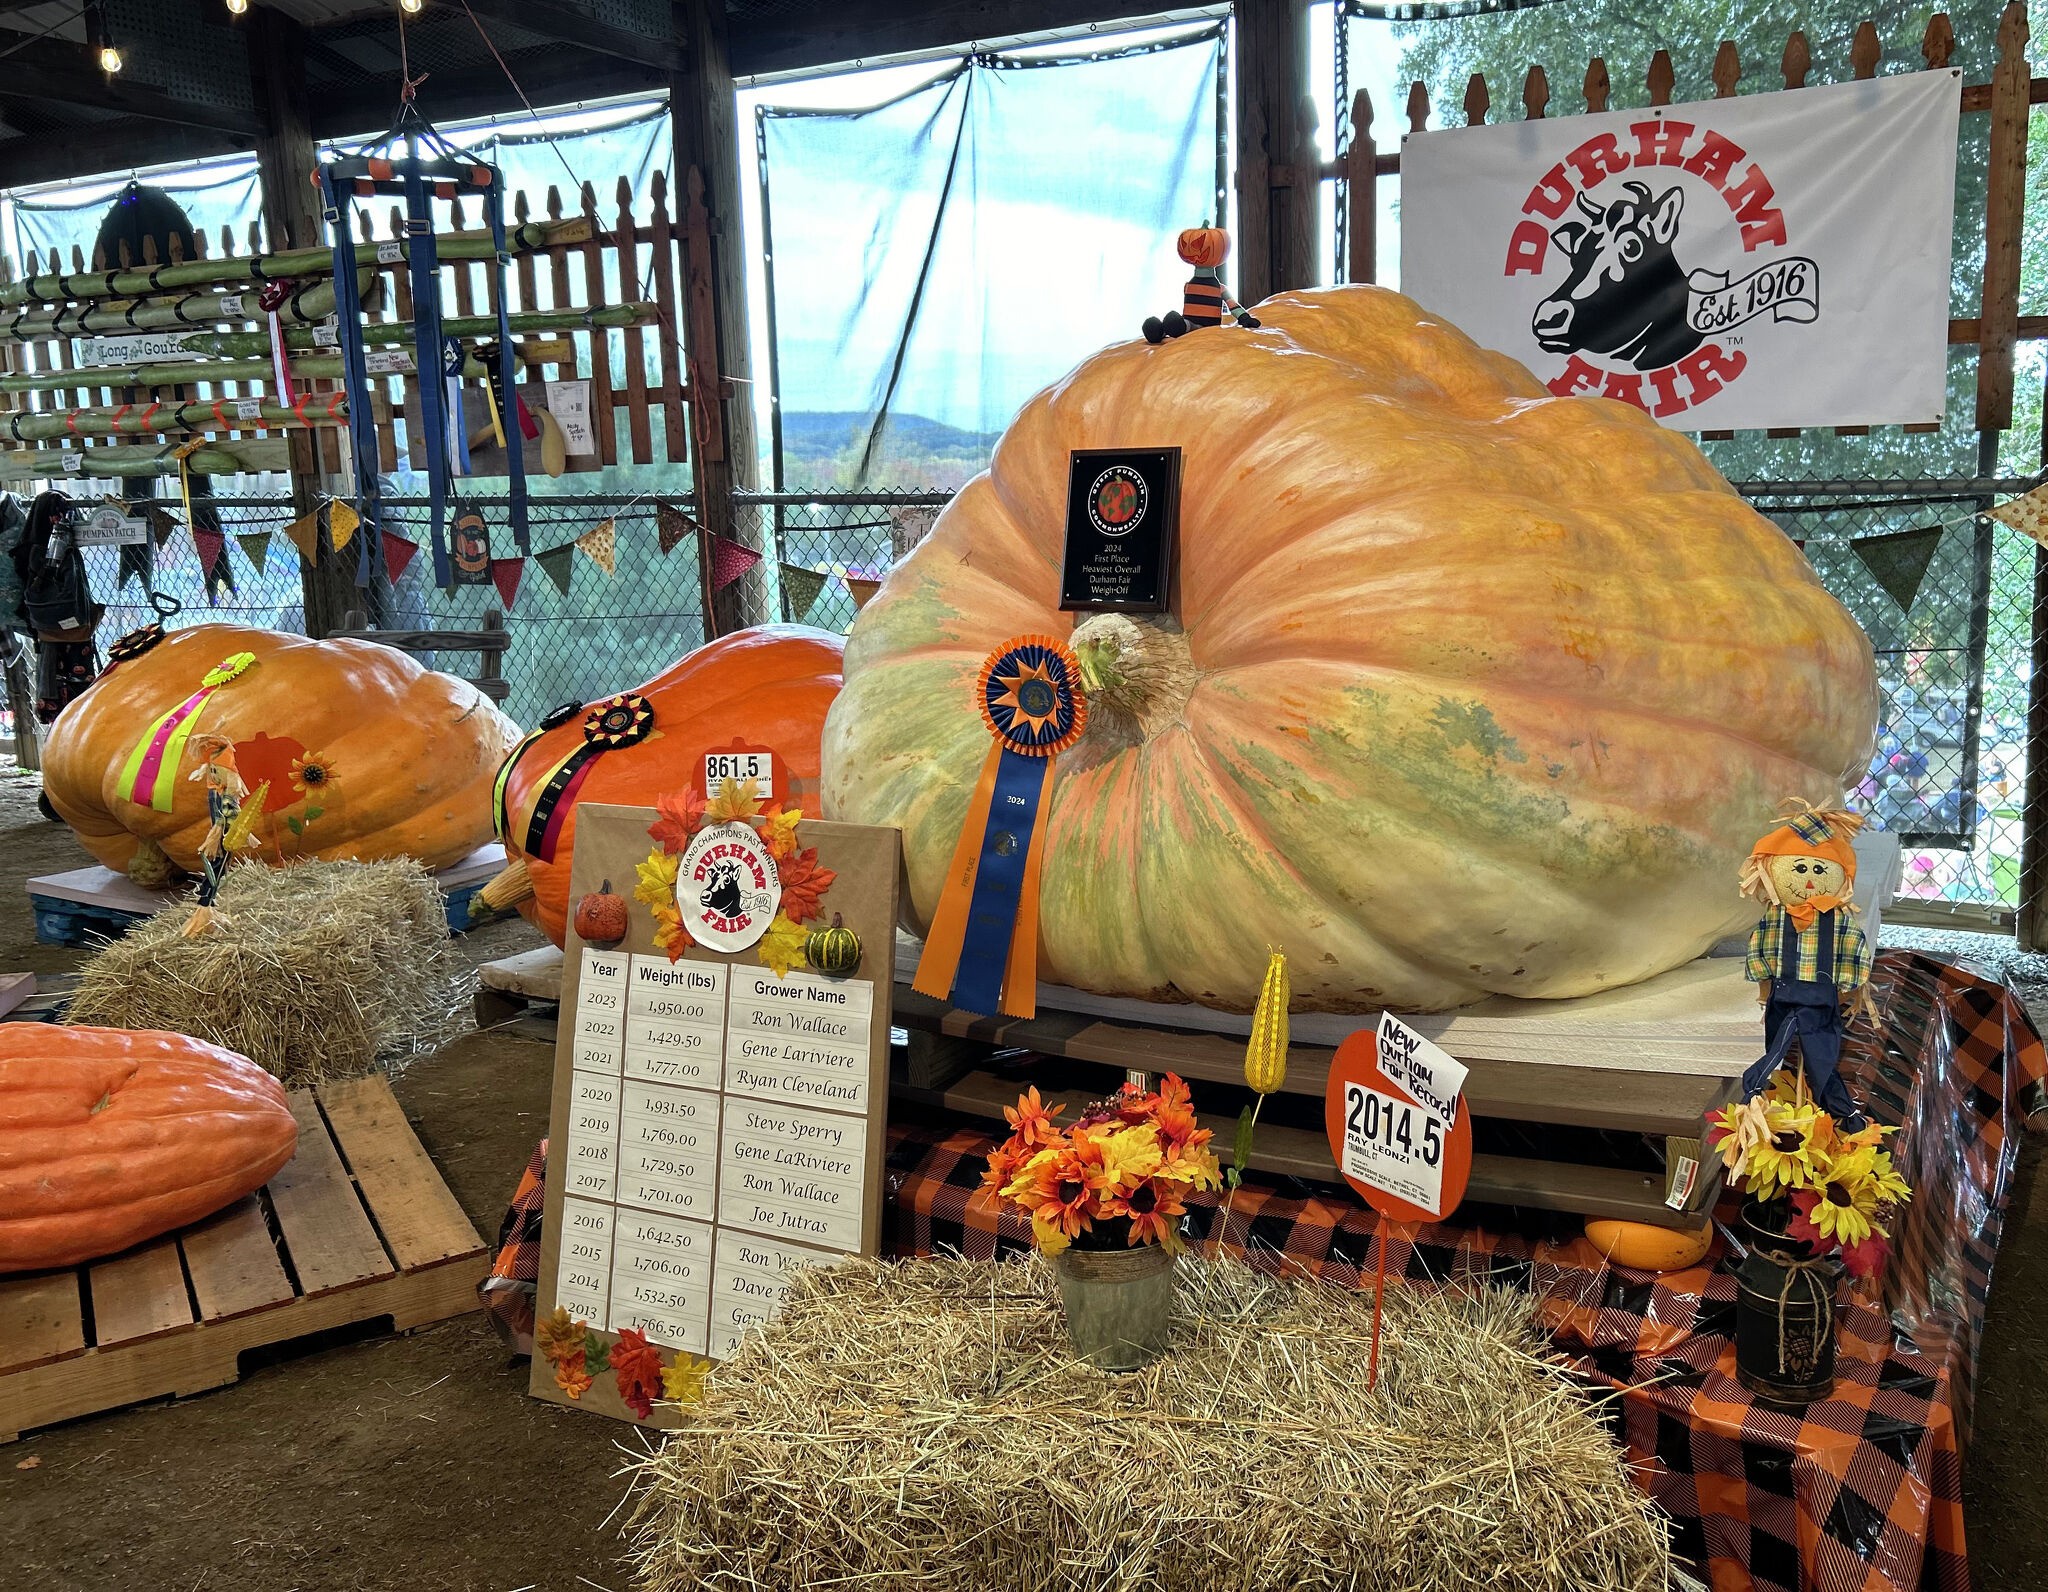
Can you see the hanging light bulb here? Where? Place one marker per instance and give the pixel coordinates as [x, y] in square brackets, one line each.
[237, 7]
[411, 7]
[101, 41]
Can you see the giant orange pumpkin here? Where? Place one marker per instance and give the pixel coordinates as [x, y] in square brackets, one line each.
[360, 752]
[1472, 689]
[109, 1137]
[767, 687]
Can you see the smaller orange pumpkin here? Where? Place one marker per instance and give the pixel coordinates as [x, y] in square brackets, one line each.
[601, 917]
[1206, 247]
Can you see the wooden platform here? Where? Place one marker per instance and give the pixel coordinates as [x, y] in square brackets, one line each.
[84, 904]
[357, 1227]
[1651, 1060]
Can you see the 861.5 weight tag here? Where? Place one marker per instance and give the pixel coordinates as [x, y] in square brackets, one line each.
[752, 768]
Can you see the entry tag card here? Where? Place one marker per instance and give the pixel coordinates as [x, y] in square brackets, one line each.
[1123, 530]
[714, 1129]
[569, 403]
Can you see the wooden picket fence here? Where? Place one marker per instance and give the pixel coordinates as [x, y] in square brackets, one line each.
[2006, 98]
[586, 260]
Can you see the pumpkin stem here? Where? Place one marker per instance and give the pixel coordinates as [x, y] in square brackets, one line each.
[1138, 676]
[605, 888]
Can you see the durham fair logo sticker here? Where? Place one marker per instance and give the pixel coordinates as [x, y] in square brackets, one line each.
[1770, 260]
[727, 887]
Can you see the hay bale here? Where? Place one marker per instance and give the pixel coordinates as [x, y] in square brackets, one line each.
[319, 970]
[923, 1425]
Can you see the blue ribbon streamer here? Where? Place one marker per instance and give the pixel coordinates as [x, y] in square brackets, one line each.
[424, 262]
[362, 429]
[515, 439]
[998, 883]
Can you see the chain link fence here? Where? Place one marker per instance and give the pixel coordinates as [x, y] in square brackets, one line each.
[835, 535]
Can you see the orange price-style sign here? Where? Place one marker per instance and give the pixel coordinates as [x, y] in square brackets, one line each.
[1401, 1134]
[1398, 1123]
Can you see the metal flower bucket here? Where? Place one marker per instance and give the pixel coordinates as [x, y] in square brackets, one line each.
[1116, 1303]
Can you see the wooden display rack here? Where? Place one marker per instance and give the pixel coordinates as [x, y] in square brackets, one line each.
[357, 1226]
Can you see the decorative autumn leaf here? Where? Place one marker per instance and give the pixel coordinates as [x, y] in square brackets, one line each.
[571, 1377]
[596, 1356]
[657, 882]
[669, 933]
[682, 814]
[782, 947]
[683, 1382]
[778, 830]
[637, 1365]
[733, 804]
[559, 1336]
[803, 882]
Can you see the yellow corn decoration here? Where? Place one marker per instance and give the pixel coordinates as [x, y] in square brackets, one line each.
[1265, 1058]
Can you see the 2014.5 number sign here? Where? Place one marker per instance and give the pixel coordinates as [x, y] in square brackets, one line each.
[1399, 1127]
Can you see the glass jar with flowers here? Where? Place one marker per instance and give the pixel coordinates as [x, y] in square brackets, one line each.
[1105, 1196]
[1815, 1196]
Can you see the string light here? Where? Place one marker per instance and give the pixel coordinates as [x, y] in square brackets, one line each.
[411, 7]
[237, 7]
[99, 39]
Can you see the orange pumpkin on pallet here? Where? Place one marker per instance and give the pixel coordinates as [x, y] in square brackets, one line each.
[356, 751]
[755, 692]
[1469, 689]
[109, 1137]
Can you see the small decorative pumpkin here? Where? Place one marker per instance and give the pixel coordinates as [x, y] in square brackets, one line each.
[110, 1136]
[1205, 246]
[835, 950]
[1646, 1248]
[601, 917]
[415, 750]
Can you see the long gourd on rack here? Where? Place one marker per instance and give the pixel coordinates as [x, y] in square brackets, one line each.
[240, 345]
[118, 317]
[240, 457]
[146, 419]
[61, 287]
[171, 373]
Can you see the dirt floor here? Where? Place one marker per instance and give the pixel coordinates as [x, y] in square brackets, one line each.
[418, 1463]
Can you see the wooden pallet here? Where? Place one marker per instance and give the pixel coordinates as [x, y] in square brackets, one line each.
[357, 1227]
[84, 905]
[1537, 1083]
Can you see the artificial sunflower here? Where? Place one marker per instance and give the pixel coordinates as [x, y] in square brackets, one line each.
[1841, 1207]
[1129, 1157]
[1788, 1158]
[313, 774]
[1737, 1129]
[1053, 1186]
[1154, 1208]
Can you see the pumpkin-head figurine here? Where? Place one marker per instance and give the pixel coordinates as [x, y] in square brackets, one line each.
[1808, 959]
[1205, 299]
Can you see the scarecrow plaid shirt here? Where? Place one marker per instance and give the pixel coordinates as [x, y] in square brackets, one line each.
[1767, 951]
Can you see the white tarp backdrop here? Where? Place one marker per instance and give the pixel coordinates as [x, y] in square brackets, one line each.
[1776, 259]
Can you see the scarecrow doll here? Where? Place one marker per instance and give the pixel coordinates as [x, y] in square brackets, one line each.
[1808, 959]
[227, 831]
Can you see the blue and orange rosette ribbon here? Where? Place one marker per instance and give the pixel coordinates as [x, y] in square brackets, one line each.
[982, 951]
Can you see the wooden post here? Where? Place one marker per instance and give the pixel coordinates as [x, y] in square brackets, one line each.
[285, 160]
[1277, 164]
[2005, 195]
[1363, 176]
[704, 113]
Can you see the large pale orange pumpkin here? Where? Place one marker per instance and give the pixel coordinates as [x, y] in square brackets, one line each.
[768, 687]
[109, 1137]
[1473, 689]
[365, 755]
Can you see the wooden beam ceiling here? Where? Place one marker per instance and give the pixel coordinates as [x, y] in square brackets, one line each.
[553, 20]
[63, 73]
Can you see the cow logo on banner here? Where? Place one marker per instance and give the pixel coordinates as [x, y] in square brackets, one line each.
[1768, 260]
[727, 887]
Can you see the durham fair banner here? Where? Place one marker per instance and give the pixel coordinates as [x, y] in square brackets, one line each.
[1775, 260]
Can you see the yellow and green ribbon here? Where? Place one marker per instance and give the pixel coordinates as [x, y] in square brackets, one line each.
[149, 777]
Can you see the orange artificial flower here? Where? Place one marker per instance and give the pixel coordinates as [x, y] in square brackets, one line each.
[1155, 1210]
[1030, 1122]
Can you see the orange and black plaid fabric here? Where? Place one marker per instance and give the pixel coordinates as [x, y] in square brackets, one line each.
[1861, 1493]
[508, 1292]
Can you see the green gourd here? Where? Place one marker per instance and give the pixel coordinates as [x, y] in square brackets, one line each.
[835, 950]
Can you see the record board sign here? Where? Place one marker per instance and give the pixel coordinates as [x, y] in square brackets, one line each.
[1123, 530]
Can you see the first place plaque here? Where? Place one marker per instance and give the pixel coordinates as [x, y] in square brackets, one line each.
[1123, 527]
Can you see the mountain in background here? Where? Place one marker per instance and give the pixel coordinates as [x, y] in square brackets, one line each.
[821, 452]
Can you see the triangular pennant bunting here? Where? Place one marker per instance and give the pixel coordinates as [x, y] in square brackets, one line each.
[212, 546]
[729, 561]
[341, 523]
[909, 524]
[505, 573]
[304, 534]
[1898, 561]
[556, 563]
[671, 524]
[862, 587]
[397, 554]
[255, 547]
[801, 586]
[601, 545]
[2027, 515]
[161, 525]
